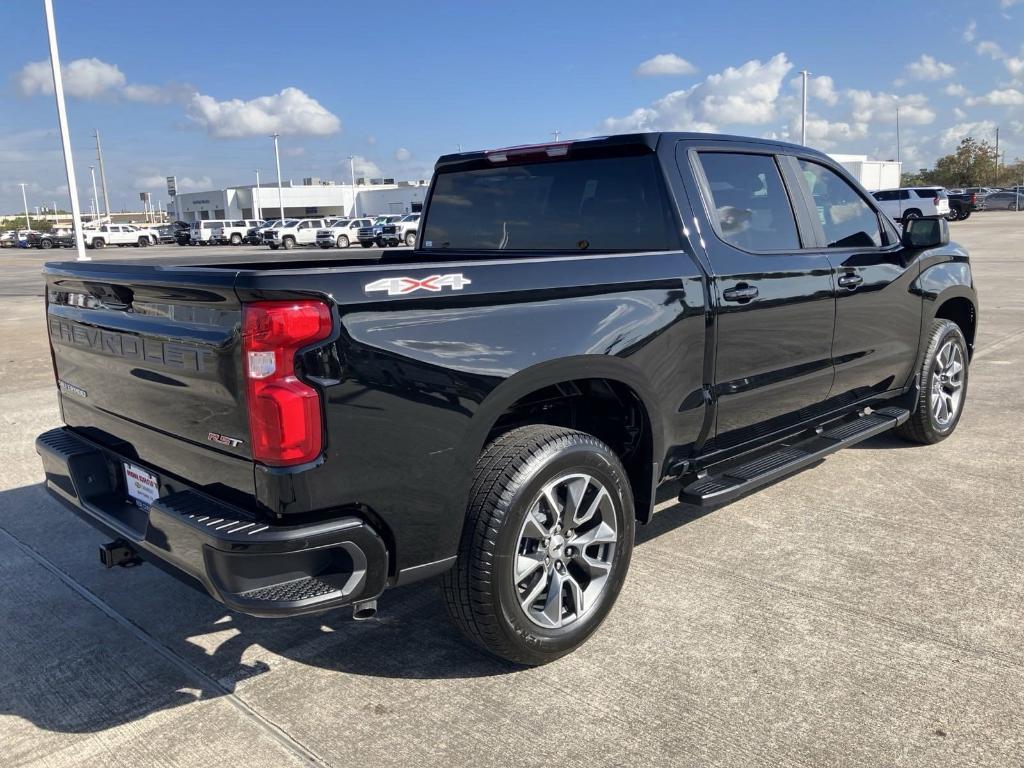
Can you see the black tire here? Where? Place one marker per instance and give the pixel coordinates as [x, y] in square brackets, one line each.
[343, 241]
[236, 239]
[142, 243]
[273, 247]
[480, 592]
[965, 214]
[410, 239]
[45, 244]
[953, 215]
[911, 215]
[923, 426]
[98, 243]
[288, 243]
[365, 245]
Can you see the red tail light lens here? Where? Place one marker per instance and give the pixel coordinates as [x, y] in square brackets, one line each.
[284, 413]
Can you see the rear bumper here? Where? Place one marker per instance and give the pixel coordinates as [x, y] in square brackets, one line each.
[246, 564]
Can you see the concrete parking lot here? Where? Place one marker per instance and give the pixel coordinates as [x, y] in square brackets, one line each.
[866, 612]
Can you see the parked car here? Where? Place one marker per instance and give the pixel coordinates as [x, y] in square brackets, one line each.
[1005, 201]
[963, 204]
[295, 232]
[911, 203]
[169, 233]
[372, 235]
[43, 240]
[119, 235]
[341, 233]
[499, 406]
[254, 235]
[8, 238]
[201, 232]
[234, 232]
[402, 231]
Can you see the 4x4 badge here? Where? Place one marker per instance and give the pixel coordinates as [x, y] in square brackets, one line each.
[396, 286]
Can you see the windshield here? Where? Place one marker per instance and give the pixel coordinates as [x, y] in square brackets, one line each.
[605, 204]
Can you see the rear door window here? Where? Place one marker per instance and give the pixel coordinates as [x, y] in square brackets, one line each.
[587, 204]
[846, 218]
[749, 204]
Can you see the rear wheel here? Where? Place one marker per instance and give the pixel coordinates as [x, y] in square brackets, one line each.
[142, 243]
[954, 214]
[236, 239]
[365, 245]
[45, 244]
[943, 377]
[98, 243]
[546, 544]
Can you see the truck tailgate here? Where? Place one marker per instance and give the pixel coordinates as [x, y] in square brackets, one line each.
[148, 361]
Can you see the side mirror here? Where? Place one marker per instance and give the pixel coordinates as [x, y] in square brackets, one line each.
[926, 233]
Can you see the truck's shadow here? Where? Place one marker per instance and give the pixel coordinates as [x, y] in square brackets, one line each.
[213, 649]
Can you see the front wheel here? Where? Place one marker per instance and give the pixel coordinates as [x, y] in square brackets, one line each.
[546, 544]
[410, 239]
[342, 241]
[943, 377]
[288, 243]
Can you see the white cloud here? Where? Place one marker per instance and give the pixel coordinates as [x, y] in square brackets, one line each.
[929, 68]
[990, 49]
[958, 113]
[403, 155]
[1008, 3]
[185, 183]
[868, 107]
[821, 88]
[290, 112]
[955, 89]
[365, 167]
[971, 31]
[825, 134]
[83, 78]
[744, 95]
[950, 137]
[665, 64]
[1006, 97]
[1015, 66]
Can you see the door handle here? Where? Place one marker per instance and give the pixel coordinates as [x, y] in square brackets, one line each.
[850, 280]
[741, 293]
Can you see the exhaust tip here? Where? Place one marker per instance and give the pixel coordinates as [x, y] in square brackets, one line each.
[365, 610]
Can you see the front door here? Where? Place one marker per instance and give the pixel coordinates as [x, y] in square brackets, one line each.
[776, 307]
[878, 316]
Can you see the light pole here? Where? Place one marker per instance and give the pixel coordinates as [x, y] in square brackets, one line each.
[898, 137]
[352, 170]
[256, 212]
[65, 138]
[556, 133]
[803, 112]
[28, 221]
[103, 175]
[277, 158]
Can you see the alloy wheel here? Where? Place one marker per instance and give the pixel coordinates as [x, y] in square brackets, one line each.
[947, 384]
[565, 550]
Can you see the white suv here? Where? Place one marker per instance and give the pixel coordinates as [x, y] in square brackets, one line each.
[293, 233]
[234, 232]
[913, 202]
[201, 232]
[340, 233]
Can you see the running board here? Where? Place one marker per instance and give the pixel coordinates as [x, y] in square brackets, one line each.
[732, 482]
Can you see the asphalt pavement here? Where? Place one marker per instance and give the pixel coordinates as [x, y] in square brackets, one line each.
[865, 612]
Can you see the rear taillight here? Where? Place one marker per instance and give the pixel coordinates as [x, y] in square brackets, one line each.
[284, 413]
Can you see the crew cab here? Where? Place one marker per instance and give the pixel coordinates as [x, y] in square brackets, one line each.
[340, 233]
[372, 234]
[292, 233]
[578, 324]
[913, 202]
[119, 235]
[402, 231]
[234, 232]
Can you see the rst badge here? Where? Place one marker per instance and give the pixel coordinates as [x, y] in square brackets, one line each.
[397, 286]
[234, 442]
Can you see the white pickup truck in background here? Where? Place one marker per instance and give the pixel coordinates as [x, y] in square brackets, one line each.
[293, 233]
[341, 233]
[120, 235]
[233, 232]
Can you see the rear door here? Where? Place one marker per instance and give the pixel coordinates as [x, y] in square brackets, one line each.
[878, 316]
[775, 302]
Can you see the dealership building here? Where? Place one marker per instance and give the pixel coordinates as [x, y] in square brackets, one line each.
[313, 197]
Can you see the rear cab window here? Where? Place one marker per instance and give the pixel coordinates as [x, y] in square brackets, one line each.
[613, 203]
[748, 201]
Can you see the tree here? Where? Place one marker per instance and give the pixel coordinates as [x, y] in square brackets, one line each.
[973, 164]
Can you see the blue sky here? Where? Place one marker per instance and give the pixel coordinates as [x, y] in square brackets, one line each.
[192, 89]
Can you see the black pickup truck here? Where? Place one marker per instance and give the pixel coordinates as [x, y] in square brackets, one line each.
[579, 323]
